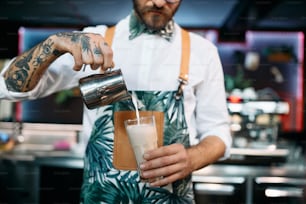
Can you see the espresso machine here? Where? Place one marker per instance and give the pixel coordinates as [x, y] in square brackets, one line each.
[256, 124]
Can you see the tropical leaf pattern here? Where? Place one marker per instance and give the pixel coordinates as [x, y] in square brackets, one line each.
[105, 184]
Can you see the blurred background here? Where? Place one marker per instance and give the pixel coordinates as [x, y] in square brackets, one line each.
[262, 49]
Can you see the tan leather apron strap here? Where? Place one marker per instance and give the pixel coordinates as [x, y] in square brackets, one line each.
[109, 34]
[185, 58]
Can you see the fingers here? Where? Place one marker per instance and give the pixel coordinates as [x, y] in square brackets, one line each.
[168, 163]
[107, 56]
[92, 50]
[165, 180]
[165, 174]
[97, 57]
[78, 62]
[164, 151]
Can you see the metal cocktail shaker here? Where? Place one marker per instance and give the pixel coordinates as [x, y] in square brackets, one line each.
[103, 89]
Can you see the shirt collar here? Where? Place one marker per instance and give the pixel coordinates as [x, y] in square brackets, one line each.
[136, 28]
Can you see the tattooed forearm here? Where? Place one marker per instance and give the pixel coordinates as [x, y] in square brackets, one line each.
[16, 78]
[24, 74]
[27, 69]
[46, 51]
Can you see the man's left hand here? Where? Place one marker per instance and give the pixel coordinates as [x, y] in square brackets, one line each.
[169, 163]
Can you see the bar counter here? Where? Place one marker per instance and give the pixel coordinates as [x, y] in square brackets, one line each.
[33, 173]
[295, 165]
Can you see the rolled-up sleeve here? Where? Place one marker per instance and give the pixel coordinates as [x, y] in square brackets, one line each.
[213, 118]
[212, 114]
[205, 96]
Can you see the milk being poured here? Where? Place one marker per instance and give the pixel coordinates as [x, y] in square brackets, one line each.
[134, 100]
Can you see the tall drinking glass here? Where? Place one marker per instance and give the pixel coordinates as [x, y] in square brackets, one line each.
[142, 135]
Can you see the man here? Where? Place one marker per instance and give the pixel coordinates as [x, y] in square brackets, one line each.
[147, 46]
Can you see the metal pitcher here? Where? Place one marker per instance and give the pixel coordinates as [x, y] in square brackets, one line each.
[103, 89]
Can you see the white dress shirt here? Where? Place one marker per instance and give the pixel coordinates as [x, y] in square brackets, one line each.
[150, 62]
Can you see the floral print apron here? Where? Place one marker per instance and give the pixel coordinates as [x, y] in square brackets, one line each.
[102, 183]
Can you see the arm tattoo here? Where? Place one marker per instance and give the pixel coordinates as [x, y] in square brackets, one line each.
[15, 79]
[46, 50]
[21, 77]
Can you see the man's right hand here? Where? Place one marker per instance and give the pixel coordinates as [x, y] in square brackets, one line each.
[86, 48]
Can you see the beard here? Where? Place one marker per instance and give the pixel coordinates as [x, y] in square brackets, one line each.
[153, 17]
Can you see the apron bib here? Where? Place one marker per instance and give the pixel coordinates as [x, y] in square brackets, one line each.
[102, 182]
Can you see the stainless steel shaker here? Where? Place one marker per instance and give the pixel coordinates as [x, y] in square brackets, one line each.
[103, 89]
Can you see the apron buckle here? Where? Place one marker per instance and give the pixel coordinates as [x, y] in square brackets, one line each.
[180, 88]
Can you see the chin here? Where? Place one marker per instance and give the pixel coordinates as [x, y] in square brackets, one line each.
[156, 22]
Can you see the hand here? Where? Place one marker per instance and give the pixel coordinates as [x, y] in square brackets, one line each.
[169, 163]
[86, 48]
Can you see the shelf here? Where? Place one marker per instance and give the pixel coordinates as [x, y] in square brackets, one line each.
[269, 107]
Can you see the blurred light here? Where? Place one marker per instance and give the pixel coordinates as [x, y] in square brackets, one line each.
[234, 99]
[285, 192]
